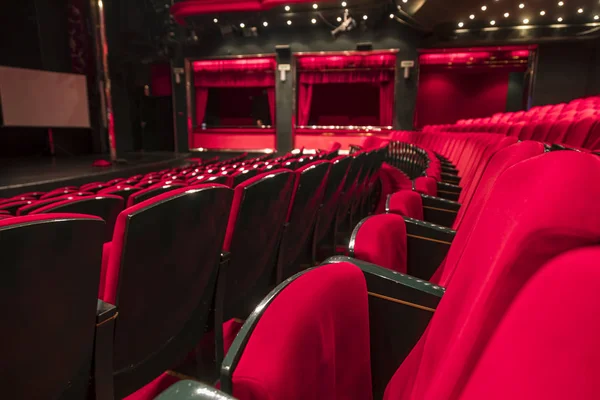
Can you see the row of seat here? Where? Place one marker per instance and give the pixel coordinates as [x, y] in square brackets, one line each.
[576, 124]
[184, 265]
[504, 316]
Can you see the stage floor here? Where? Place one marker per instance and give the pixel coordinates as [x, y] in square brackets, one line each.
[45, 173]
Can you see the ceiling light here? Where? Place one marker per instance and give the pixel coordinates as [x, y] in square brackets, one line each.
[525, 21]
[460, 24]
[483, 8]
[405, 1]
[339, 19]
[242, 25]
[344, 4]
[521, 5]
[391, 16]
[561, 3]
[287, 8]
[215, 20]
[472, 16]
[265, 24]
[506, 15]
[313, 21]
[492, 22]
[365, 17]
[542, 12]
[596, 17]
[315, 6]
[289, 22]
[580, 10]
[559, 19]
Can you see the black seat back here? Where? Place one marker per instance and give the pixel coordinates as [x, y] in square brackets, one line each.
[49, 277]
[166, 258]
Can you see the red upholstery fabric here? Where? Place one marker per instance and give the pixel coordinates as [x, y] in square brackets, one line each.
[237, 201]
[471, 212]
[407, 203]
[546, 347]
[426, 185]
[308, 353]
[230, 331]
[155, 187]
[392, 180]
[381, 240]
[105, 257]
[527, 222]
[43, 217]
[154, 388]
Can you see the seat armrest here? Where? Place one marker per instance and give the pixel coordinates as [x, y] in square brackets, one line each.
[439, 211]
[192, 390]
[428, 245]
[106, 314]
[450, 178]
[400, 308]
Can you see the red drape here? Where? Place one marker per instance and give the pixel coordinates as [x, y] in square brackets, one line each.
[386, 103]
[271, 97]
[245, 72]
[304, 101]
[257, 72]
[201, 100]
[362, 68]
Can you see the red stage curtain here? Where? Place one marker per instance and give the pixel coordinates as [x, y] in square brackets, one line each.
[245, 72]
[386, 103]
[376, 69]
[304, 101]
[201, 101]
[271, 97]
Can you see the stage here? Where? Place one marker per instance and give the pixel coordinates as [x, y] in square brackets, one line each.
[46, 173]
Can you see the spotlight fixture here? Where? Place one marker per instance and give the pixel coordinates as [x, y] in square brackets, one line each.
[483, 8]
[460, 24]
[391, 16]
[521, 5]
[596, 17]
[287, 8]
[492, 22]
[405, 1]
[315, 6]
[242, 25]
[506, 15]
[344, 4]
[265, 24]
[580, 11]
[559, 19]
[561, 3]
[215, 21]
[365, 17]
[526, 21]
[313, 21]
[339, 19]
[289, 22]
[542, 12]
[472, 16]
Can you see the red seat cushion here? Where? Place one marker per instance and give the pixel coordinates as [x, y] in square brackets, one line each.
[381, 240]
[309, 353]
[406, 203]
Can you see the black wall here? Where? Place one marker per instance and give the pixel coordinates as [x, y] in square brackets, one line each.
[566, 71]
[388, 34]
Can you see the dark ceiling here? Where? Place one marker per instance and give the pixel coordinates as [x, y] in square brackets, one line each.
[477, 14]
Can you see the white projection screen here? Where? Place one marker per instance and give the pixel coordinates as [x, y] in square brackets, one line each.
[33, 98]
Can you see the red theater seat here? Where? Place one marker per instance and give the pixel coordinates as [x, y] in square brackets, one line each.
[151, 191]
[550, 353]
[307, 195]
[106, 207]
[123, 191]
[50, 272]
[407, 203]
[161, 274]
[254, 229]
[318, 351]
